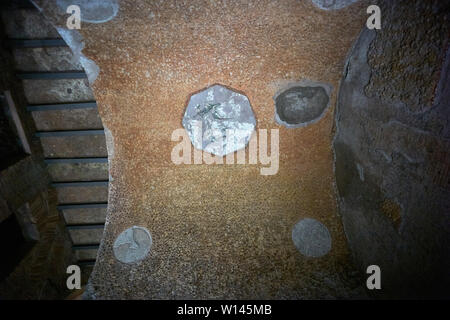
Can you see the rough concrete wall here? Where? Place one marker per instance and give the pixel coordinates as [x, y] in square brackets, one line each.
[392, 149]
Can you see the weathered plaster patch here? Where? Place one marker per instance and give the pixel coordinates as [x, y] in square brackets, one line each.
[90, 67]
[110, 149]
[109, 142]
[75, 41]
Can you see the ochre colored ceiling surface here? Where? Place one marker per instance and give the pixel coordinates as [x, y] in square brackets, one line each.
[219, 231]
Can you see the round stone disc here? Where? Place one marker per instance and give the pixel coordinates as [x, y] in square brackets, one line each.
[99, 11]
[219, 120]
[333, 4]
[311, 238]
[132, 245]
[302, 103]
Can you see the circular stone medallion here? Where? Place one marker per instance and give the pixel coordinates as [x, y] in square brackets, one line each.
[132, 245]
[302, 103]
[219, 120]
[92, 11]
[311, 238]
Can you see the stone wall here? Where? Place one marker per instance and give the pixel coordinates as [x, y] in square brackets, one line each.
[41, 274]
[26, 197]
[392, 149]
[10, 150]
